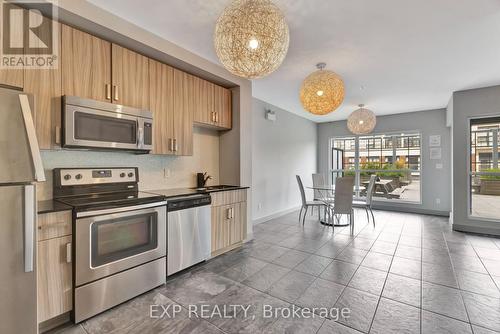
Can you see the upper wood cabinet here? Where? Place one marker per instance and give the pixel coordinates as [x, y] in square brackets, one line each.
[15, 77]
[183, 117]
[45, 85]
[222, 107]
[203, 98]
[130, 76]
[211, 104]
[161, 82]
[85, 65]
[12, 78]
[170, 90]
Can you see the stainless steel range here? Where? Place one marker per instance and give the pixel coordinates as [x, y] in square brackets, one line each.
[119, 236]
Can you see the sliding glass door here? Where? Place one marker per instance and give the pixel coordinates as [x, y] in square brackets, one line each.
[394, 158]
[484, 175]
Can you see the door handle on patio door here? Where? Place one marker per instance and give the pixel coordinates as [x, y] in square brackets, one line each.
[29, 227]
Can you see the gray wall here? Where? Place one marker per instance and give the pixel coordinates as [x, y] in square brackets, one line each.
[470, 103]
[435, 182]
[280, 150]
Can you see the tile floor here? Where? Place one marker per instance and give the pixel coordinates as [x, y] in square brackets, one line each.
[409, 274]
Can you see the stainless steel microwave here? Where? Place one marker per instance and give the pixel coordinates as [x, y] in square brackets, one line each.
[101, 125]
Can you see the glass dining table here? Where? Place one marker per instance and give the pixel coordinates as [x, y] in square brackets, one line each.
[327, 192]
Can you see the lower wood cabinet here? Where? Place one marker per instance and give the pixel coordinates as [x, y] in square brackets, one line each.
[54, 269]
[229, 220]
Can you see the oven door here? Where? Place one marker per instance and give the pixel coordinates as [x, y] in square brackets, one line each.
[86, 127]
[112, 242]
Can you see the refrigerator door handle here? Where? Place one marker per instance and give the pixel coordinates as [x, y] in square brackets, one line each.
[31, 134]
[29, 226]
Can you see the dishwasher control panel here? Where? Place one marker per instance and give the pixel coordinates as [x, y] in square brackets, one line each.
[183, 203]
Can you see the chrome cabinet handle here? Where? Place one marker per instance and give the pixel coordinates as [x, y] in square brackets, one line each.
[108, 92]
[216, 117]
[115, 92]
[176, 147]
[29, 225]
[170, 144]
[68, 253]
[228, 213]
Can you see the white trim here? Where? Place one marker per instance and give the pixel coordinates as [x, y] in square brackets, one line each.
[275, 215]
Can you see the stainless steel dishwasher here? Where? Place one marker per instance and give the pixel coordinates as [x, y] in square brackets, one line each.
[188, 232]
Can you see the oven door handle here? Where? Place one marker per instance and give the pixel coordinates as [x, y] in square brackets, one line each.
[117, 210]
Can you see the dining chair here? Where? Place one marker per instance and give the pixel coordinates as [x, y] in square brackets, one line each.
[305, 203]
[343, 199]
[367, 202]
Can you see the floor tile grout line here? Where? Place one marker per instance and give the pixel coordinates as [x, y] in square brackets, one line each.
[385, 281]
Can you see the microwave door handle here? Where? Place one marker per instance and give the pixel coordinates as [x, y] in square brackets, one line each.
[29, 226]
[140, 135]
[31, 134]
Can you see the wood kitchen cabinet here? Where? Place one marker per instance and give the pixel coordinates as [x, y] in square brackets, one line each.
[45, 85]
[229, 220]
[130, 77]
[85, 65]
[212, 105]
[170, 103]
[222, 107]
[12, 78]
[54, 269]
[183, 117]
[161, 78]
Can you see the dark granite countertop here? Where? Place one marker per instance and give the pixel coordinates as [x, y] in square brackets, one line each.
[176, 192]
[50, 205]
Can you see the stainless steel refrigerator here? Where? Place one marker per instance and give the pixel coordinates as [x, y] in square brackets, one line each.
[20, 169]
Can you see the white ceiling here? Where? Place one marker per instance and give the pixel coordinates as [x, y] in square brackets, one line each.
[408, 55]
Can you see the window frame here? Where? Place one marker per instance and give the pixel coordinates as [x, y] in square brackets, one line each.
[394, 147]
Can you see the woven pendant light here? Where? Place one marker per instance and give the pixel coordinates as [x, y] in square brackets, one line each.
[322, 91]
[361, 121]
[251, 38]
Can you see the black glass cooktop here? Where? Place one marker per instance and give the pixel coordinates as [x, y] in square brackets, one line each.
[105, 200]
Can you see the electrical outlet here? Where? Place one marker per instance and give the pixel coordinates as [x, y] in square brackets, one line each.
[166, 173]
[438, 200]
[439, 166]
[259, 206]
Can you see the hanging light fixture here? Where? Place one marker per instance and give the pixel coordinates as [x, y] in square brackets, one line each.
[251, 38]
[322, 91]
[361, 121]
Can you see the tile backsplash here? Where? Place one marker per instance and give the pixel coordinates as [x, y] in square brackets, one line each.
[152, 168]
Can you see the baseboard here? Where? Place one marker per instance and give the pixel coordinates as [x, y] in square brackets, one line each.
[274, 215]
[491, 231]
[412, 210]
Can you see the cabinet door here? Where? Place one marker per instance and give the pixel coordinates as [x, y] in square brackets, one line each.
[15, 77]
[220, 227]
[161, 78]
[225, 113]
[45, 85]
[130, 74]
[85, 65]
[183, 117]
[54, 278]
[238, 223]
[204, 101]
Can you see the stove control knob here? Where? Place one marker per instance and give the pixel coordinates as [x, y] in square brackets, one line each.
[78, 176]
[130, 174]
[122, 174]
[67, 177]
